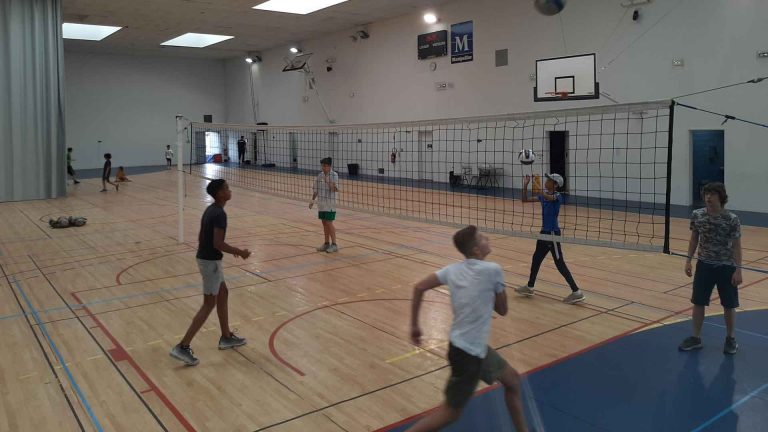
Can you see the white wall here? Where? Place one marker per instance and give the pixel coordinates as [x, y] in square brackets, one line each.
[717, 39]
[130, 102]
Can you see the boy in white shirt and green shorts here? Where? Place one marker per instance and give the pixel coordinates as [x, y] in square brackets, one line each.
[324, 191]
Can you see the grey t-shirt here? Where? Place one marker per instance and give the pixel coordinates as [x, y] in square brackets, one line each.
[716, 235]
[473, 285]
[326, 199]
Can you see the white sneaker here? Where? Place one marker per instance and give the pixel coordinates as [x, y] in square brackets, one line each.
[575, 297]
[524, 290]
[332, 248]
[323, 248]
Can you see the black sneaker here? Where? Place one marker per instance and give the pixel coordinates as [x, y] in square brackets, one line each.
[690, 343]
[231, 342]
[730, 346]
[184, 354]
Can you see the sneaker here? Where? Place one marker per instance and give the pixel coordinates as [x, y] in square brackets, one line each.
[184, 354]
[574, 297]
[332, 248]
[524, 290]
[690, 343]
[324, 247]
[103, 190]
[231, 342]
[731, 346]
[77, 182]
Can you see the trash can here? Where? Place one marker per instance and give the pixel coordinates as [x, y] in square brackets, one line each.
[353, 169]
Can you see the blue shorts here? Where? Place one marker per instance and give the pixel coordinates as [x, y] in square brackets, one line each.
[708, 276]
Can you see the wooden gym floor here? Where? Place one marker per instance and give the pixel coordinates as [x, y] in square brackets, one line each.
[89, 314]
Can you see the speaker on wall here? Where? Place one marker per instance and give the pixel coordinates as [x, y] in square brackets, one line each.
[207, 118]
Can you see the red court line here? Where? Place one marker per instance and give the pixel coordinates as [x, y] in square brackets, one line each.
[559, 360]
[118, 354]
[120, 273]
[277, 329]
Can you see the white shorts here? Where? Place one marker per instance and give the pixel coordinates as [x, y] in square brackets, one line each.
[213, 275]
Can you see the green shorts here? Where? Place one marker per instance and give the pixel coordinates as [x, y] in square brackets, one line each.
[467, 370]
[327, 215]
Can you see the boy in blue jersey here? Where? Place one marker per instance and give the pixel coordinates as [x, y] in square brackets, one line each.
[550, 200]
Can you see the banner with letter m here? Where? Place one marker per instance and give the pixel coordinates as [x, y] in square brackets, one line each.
[462, 43]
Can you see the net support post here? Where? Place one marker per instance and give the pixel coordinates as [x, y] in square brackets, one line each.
[668, 199]
[180, 175]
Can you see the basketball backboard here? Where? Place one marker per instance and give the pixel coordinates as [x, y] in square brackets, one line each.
[297, 63]
[574, 75]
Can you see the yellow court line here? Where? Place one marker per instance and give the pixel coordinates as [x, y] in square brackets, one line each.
[362, 295]
[21, 377]
[281, 313]
[95, 357]
[416, 351]
[257, 318]
[154, 342]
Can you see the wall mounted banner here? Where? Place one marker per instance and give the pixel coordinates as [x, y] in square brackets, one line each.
[433, 44]
[462, 42]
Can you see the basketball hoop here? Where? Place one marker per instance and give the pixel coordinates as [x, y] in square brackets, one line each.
[562, 94]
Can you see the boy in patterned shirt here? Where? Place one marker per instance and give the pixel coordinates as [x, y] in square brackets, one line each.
[717, 233]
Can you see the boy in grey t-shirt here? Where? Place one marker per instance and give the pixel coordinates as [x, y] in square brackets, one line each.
[717, 234]
[324, 189]
[477, 290]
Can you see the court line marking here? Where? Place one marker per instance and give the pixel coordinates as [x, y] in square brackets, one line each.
[273, 336]
[60, 358]
[417, 351]
[737, 330]
[733, 407]
[118, 353]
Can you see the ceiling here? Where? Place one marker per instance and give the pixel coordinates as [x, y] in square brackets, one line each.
[147, 23]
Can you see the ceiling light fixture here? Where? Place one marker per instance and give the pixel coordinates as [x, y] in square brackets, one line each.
[300, 7]
[86, 31]
[196, 40]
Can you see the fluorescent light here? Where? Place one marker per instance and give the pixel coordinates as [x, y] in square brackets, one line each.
[430, 18]
[87, 31]
[249, 59]
[196, 40]
[301, 7]
[293, 50]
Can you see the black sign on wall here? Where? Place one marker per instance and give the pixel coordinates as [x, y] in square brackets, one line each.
[433, 44]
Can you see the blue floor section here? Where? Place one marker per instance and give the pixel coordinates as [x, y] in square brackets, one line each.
[643, 383]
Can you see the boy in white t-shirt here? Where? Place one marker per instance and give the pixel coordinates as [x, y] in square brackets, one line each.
[324, 189]
[168, 155]
[477, 290]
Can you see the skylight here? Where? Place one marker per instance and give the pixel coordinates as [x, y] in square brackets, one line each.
[301, 7]
[87, 31]
[196, 40]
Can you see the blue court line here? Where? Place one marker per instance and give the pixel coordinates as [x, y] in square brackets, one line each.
[110, 300]
[60, 358]
[738, 330]
[724, 412]
[160, 291]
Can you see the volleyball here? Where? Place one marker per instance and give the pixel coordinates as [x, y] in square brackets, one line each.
[549, 7]
[526, 157]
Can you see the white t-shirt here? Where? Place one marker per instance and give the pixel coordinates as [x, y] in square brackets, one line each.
[473, 285]
[326, 199]
[169, 154]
